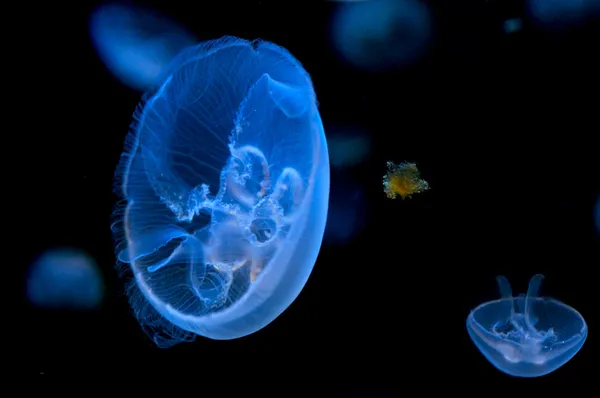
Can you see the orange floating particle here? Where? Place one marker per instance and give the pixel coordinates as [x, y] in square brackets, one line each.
[404, 180]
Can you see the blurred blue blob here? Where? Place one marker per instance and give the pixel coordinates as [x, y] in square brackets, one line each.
[513, 25]
[380, 35]
[372, 393]
[65, 279]
[136, 44]
[225, 187]
[526, 336]
[348, 146]
[557, 14]
[347, 210]
[597, 214]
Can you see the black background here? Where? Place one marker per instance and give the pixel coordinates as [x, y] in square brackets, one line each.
[503, 127]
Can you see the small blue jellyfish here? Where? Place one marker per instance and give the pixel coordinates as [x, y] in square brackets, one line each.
[225, 184]
[136, 44]
[526, 336]
[379, 35]
[558, 14]
[65, 279]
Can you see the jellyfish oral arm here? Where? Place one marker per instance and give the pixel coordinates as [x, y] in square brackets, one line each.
[532, 293]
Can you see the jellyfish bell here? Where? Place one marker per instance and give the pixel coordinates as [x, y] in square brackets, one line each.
[225, 188]
[65, 279]
[136, 44]
[528, 335]
[379, 35]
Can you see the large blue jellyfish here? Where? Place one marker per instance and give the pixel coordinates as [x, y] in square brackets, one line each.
[380, 35]
[225, 182]
[136, 44]
[65, 278]
[526, 336]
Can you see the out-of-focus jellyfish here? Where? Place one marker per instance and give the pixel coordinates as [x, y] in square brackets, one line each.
[225, 180]
[372, 393]
[65, 279]
[403, 180]
[347, 146]
[513, 25]
[347, 209]
[558, 14]
[381, 34]
[526, 336]
[136, 44]
[597, 214]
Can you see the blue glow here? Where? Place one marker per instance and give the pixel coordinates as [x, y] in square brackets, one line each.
[136, 44]
[347, 208]
[556, 14]
[65, 279]
[347, 146]
[372, 392]
[381, 34]
[526, 336]
[225, 180]
[597, 214]
[513, 25]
